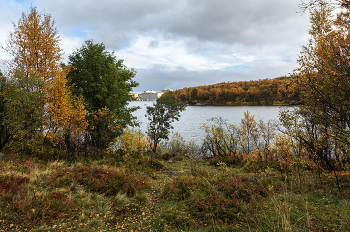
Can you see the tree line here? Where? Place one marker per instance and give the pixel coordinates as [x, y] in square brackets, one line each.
[276, 91]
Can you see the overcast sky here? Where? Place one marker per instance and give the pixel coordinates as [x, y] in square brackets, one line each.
[182, 43]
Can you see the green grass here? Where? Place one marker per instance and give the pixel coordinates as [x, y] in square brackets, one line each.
[147, 194]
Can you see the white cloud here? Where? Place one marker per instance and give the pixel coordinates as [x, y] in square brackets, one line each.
[145, 52]
[70, 44]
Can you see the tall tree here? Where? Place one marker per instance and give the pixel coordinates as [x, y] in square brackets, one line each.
[21, 113]
[36, 70]
[248, 133]
[65, 122]
[4, 130]
[324, 77]
[34, 45]
[165, 111]
[105, 83]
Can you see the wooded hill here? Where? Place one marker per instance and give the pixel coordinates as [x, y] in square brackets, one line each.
[276, 91]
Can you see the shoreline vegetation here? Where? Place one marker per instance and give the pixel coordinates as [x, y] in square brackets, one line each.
[243, 177]
[275, 91]
[240, 104]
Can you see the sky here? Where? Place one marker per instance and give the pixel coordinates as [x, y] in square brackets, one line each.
[182, 43]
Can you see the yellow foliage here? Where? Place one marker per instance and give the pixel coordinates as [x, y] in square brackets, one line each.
[34, 46]
[64, 116]
[132, 142]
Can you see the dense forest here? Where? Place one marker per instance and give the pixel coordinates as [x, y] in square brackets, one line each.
[276, 91]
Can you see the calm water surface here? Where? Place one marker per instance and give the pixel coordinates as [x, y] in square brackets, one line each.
[189, 125]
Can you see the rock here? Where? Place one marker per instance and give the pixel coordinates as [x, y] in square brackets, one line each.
[3, 156]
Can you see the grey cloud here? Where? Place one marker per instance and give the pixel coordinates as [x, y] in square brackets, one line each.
[270, 30]
[235, 21]
[161, 76]
[153, 44]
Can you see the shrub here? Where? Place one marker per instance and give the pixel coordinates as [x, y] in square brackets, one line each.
[11, 184]
[214, 207]
[32, 210]
[230, 160]
[131, 143]
[257, 165]
[108, 182]
[180, 188]
[150, 163]
[232, 195]
[24, 209]
[243, 189]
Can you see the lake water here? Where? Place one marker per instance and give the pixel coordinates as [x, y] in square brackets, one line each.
[189, 124]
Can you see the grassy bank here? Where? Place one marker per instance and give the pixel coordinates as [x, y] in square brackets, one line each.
[184, 194]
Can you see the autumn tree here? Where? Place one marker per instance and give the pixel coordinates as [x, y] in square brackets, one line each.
[35, 62]
[34, 45]
[324, 78]
[165, 111]
[132, 143]
[65, 122]
[248, 133]
[105, 83]
[313, 4]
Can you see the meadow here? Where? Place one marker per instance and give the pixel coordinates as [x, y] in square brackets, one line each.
[171, 192]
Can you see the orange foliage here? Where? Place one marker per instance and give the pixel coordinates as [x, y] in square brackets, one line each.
[65, 116]
[262, 92]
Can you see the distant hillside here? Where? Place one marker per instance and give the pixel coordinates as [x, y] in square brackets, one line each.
[276, 91]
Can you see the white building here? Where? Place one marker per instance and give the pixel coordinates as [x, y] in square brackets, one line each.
[150, 95]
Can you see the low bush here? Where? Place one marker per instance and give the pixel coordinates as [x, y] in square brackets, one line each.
[150, 163]
[32, 210]
[10, 184]
[214, 207]
[180, 188]
[232, 196]
[108, 182]
[22, 208]
[230, 161]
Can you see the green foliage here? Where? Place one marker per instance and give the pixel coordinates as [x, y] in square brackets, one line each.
[249, 137]
[4, 133]
[229, 161]
[220, 139]
[103, 127]
[165, 111]
[105, 84]
[60, 196]
[22, 111]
